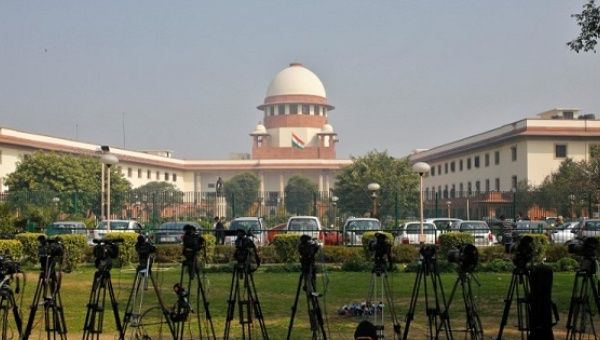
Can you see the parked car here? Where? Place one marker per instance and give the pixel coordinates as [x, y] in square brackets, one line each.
[588, 227]
[172, 232]
[306, 225]
[479, 229]
[66, 227]
[118, 226]
[354, 228]
[409, 233]
[564, 232]
[530, 227]
[442, 223]
[254, 225]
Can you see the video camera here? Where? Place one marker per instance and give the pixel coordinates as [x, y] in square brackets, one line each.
[182, 307]
[466, 256]
[381, 249]
[586, 249]
[523, 251]
[193, 242]
[8, 266]
[105, 251]
[50, 251]
[144, 249]
[308, 248]
[245, 251]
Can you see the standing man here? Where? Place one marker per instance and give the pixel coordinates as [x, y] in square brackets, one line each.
[219, 230]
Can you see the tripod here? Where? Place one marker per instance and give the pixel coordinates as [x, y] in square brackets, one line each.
[49, 287]
[580, 310]
[94, 317]
[146, 325]
[519, 284]
[183, 308]
[7, 304]
[473, 322]
[246, 296]
[437, 319]
[379, 273]
[307, 282]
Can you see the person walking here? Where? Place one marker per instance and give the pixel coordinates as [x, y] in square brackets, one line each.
[219, 230]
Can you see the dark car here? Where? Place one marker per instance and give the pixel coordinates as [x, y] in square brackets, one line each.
[172, 232]
[530, 227]
[66, 227]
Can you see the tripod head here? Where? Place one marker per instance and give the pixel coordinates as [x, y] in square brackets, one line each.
[50, 252]
[182, 307]
[246, 253]
[466, 256]
[144, 248]
[193, 242]
[523, 252]
[586, 250]
[8, 267]
[308, 248]
[382, 252]
[104, 252]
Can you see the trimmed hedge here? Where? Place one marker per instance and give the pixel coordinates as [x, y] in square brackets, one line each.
[286, 247]
[556, 252]
[30, 246]
[74, 245]
[490, 253]
[369, 236]
[127, 254]
[452, 240]
[12, 249]
[540, 244]
[405, 253]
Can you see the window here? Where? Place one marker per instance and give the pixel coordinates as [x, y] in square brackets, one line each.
[460, 165]
[281, 109]
[514, 182]
[452, 166]
[174, 177]
[317, 110]
[272, 110]
[476, 161]
[567, 114]
[324, 111]
[139, 173]
[453, 191]
[305, 109]
[487, 185]
[157, 175]
[461, 188]
[294, 109]
[445, 191]
[560, 150]
[129, 171]
[469, 188]
[439, 169]
[477, 186]
[432, 171]
[468, 163]
[497, 157]
[497, 184]
[148, 174]
[166, 176]
[487, 159]
[513, 153]
[445, 168]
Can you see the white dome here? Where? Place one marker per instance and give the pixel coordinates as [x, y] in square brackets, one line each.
[327, 129]
[259, 130]
[296, 80]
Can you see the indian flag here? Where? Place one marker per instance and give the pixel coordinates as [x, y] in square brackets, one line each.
[297, 142]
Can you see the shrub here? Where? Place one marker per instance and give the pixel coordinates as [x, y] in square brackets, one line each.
[443, 267]
[127, 252]
[498, 265]
[405, 253]
[566, 264]
[370, 236]
[30, 245]
[356, 263]
[210, 242]
[75, 245]
[555, 252]
[339, 254]
[223, 254]
[168, 253]
[283, 268]
[488, 254]
[540, 243]
[286, 247]
[267, 254]
[452, 240]
[12, 248]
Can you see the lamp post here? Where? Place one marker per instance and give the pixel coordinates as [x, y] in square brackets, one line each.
[448, 204]
[374, 189]
[334, 200]
[421, 168]
[514, 203]
[572, 204]
[107, 160]
[56, 201]
[259, 200]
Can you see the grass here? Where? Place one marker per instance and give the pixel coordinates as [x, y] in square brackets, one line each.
[276, 293]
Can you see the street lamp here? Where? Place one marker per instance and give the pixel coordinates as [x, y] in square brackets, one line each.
[449, 203]
[572, 203]
[334, 200]
[259, 200]
[56, 200]
[421, 168]
[514, 202]
[374, 188]
[107, 160]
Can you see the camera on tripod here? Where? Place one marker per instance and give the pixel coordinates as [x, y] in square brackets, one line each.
[586, 249]
[49, 249]
[8, 266]
[245, 251]
[428, 252]
[144, 249]
[381, 249]
[523, 251]
[105, 251]
[193, 242]
[308, 248]
[465, 256]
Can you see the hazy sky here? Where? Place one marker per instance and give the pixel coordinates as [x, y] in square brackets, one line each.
[187, 76]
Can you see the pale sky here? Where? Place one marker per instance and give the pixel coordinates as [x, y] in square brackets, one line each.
[187, 76]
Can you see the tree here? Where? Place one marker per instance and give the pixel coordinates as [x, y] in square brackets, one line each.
[399, 185]
[241, 191]
[71, 182]
[589, 21]
[299, 195]
[166, 193]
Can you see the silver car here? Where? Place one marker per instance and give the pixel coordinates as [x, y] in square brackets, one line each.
[354, 228]
[479, 229]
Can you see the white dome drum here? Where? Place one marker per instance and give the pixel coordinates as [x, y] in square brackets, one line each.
[296, 80]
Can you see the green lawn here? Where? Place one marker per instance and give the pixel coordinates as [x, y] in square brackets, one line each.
[276, 292]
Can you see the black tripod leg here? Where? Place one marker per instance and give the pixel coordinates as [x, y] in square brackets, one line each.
[257, 308]
[129, 307]
[295, 306]
[472, 314]
[114, 304]
[507, 303]
[576, 301]
[231, 303]
[164, 309]
[390, 302]
[444, 315]
[34, 305]
[92, 307]
[206, 307]
[413, 302]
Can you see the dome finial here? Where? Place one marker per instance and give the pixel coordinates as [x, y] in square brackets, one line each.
[296, 64]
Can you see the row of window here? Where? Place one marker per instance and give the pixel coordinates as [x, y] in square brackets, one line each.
[474, 162]
[472, 187]
[296, 109]
[166, 176]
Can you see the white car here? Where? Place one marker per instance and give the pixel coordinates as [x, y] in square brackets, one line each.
[254, 225]
[118, 226]
[479, 229]
[354, 228]
[443, 223]
[306, 225]
[409, 233]
[565, 232]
